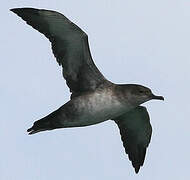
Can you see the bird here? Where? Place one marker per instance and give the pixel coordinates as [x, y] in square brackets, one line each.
[94, 99]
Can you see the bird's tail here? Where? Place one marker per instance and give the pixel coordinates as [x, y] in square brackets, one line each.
[49, 122]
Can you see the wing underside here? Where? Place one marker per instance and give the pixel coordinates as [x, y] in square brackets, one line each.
[135, 130]
[70, 47]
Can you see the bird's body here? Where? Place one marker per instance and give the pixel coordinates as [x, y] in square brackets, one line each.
[94, 99]
[89, 109]
[93, 108]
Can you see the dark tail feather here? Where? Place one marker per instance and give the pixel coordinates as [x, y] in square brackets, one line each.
[49, 122]
[38, 126]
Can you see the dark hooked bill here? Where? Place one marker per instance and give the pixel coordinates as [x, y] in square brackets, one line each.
[157, 97]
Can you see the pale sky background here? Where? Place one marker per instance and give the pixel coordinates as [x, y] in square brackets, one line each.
[132, 41]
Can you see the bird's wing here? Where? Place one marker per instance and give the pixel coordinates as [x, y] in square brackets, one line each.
[135, 130]
[70, 47]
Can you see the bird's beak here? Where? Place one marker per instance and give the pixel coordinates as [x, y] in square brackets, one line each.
[157, 97]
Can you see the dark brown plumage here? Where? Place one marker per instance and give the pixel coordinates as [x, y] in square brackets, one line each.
[94, 99]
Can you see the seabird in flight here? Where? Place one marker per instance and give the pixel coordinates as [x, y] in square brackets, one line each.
[94, 99]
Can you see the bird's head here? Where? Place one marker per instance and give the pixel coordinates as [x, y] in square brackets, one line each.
[138, 94]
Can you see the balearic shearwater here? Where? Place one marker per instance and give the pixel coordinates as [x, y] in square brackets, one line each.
[94, 99]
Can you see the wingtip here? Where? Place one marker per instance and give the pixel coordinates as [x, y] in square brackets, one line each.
[137, 169]
[13, 9]
[23, 10]
[16, 10]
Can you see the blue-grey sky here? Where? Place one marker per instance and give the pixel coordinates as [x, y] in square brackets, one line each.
[132, 41]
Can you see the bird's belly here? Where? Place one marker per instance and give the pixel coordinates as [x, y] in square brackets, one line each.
[93, 109]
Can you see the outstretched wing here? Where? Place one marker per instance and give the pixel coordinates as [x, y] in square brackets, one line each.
[135, 130]
[70, 47]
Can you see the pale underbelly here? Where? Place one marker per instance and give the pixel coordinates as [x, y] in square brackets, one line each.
[93, 109]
